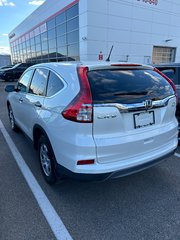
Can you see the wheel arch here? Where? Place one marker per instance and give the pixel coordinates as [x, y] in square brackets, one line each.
[38, 131]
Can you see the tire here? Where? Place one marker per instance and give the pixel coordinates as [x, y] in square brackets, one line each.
[47, 160]
[14, 127]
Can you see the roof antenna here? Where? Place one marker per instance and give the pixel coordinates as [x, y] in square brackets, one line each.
[108, 59]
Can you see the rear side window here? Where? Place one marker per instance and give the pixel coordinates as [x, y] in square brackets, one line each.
[127, 86]
[24, 81]
[54, 84]
[39, 81]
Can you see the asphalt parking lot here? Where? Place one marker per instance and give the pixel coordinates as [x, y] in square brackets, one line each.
[143, 206]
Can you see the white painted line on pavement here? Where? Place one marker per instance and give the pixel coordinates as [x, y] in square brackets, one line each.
[55, 222]
[177, 155]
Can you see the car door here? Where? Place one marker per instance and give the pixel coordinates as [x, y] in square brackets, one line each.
[34, 99]
[18, 97]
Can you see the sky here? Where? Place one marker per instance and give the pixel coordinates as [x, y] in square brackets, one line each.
[13, 12]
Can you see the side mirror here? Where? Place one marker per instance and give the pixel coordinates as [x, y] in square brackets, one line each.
[10, 88]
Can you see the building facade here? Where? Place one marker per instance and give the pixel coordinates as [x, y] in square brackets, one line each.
[5, 59]
[144, 31]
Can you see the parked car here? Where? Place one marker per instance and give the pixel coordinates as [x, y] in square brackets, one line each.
[172, 71]
[13, 73]
[95, 121]
[7, 66]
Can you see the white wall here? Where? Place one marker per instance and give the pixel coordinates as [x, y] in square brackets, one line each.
[132, 26]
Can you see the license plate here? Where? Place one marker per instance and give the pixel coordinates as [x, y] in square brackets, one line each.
[144, 119]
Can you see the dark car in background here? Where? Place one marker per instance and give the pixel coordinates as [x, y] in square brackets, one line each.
[13, 73]
[7, 66]
[172, 71]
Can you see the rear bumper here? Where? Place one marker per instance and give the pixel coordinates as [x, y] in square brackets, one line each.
[64, 172]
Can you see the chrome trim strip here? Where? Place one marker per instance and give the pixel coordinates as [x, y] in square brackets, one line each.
[137, 106]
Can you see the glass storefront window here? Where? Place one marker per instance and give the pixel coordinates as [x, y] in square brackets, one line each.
[61, 29]
[73, 37]
[44, 45]
[72, 12]
[44, 36]
[37, 39]
[38, 47]
[62, 51]
[32, 41]
[73, 50]
[60, 18]
[61, 40]
[56, 39]
[52, 43]
[73, 24]
[51, 24]
[51, 34]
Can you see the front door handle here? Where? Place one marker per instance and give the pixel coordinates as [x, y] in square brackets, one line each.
[38, 104]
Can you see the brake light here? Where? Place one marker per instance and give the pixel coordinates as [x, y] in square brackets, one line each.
[126, 65]
[169, 81]
[80, 109]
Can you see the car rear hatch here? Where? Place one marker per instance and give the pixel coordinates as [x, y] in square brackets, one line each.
[134, 111]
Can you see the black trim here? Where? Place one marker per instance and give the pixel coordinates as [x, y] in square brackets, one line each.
[62, 172]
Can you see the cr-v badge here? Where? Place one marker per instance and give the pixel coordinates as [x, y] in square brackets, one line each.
[106, 116]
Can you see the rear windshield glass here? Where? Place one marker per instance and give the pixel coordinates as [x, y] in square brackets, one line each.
[127, 86]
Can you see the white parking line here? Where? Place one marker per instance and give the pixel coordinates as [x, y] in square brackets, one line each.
[177, 155]
[47, 209]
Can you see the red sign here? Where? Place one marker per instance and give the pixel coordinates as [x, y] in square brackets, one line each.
[100, 57]
[154, 2]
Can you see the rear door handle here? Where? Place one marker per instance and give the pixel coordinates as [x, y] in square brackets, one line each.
[20, 100]
[38, 104]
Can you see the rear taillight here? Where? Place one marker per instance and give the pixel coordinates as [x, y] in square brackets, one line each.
[169, 81]
[80, 109]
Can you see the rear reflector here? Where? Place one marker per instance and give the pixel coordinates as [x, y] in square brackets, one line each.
[85, 162]
[169, 81]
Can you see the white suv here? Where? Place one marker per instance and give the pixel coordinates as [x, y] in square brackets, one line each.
[95, 121]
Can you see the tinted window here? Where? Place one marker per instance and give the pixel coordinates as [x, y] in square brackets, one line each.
[127, 86]
[54, 84]
[38, 84]
[24, 81]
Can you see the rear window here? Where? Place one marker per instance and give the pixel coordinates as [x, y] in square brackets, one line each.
[127, 86]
